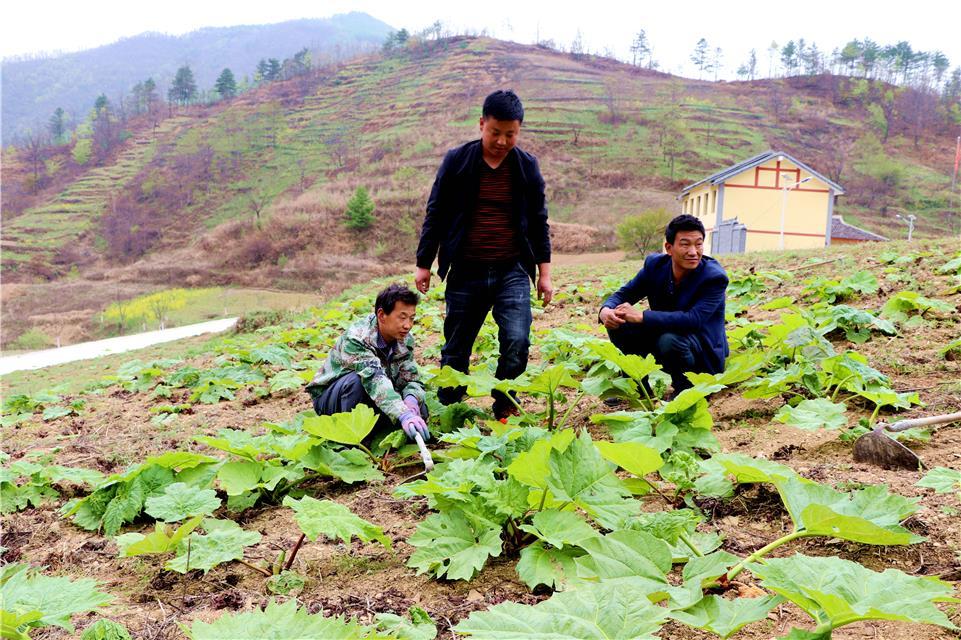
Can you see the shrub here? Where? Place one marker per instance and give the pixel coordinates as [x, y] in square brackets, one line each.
[360, 210]
[643, 233]
[32, 340]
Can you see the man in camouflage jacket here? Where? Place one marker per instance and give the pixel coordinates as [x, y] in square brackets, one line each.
[372, 363]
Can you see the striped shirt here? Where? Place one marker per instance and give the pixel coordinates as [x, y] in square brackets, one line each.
[492, 236]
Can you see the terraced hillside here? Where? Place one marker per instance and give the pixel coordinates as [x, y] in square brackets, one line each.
[613, 140]
[252, 192]
[73, 214]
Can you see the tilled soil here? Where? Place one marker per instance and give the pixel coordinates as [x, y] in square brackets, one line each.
[361, 580]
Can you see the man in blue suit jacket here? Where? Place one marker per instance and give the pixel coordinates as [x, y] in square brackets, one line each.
[684, 327]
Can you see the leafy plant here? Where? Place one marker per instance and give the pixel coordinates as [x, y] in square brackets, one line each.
[942, 480]
[838, 592]
[31, 599]
[605, 610]
[121, 497]
[104, 629]
[277, 622]
[25, 483]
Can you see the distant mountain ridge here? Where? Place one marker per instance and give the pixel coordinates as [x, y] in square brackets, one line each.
[32, 89]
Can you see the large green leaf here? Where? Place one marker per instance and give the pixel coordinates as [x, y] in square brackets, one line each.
[748, 470]
[14, 626]
[837, 592]
[345, 428]
[626, 554]
[631, 456]
[590, 611]
[104, 629]
[419, 627]
[704, 385]
[560, 528]
[277, 622]
[540, 564]
[870, 515]
[57, 599]
[532, 467]
[479, 382]
[549, 381]
[326, 517]
[239, 476]
[449, 545]
[225, 541]
[350, 465]
[634, 366]
[181, 501]
[580, 474]
[726, 617]
[942, 480]
[709, 567]
[812, 415]
[162, 540]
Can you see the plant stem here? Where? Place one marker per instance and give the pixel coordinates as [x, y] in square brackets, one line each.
[647, 396]
[540, 507]
[739, 567]
[690, 545]
[658, 491]
[293, 552]
[837, 389]
[368, 452]
[567, 413]
[550, 411]
[874, 415]
[254, 567]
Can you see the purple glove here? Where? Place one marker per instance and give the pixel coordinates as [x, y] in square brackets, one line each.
[412, 423]
[412, 404]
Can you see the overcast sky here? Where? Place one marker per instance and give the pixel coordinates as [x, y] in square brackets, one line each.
[673, 27]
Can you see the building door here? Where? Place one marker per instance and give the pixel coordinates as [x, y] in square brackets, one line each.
[729, 237]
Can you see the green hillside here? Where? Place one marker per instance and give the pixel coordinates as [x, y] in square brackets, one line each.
[252, 191]
[34, 87]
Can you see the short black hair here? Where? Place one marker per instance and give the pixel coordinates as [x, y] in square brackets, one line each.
[389, 297]
[503, 105]
[683, 222]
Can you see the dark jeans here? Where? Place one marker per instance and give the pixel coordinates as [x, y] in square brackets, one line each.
[346, 393]
[675, 352]
[473, 291]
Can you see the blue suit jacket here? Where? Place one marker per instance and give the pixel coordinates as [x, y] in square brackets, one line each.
[694, 307]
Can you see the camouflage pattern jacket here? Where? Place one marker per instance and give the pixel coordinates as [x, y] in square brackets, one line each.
[388, 374]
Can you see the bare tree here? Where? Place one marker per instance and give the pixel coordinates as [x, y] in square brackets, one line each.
[160, 305]
[258, 197]
[35, 143]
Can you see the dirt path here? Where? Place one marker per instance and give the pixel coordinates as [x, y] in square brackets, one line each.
[568, 259]
[86, 350]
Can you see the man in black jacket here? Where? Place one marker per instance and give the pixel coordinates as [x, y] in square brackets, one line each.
[686, 290]
[487, 225]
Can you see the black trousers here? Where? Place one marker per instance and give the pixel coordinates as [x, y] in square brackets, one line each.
[346, 393]
[675, 352]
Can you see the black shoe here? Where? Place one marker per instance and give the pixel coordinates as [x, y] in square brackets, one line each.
[504, 411]
[451, 395]
[615, 402]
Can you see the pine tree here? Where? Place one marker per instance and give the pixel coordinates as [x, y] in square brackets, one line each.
[184, 88]
[640, 48]
[360, 210]
[273, 70]
[150, 97]
[225, 85]
[58, 126]
[700, 57]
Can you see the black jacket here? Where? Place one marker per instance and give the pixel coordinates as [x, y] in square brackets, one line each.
[453, 200]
